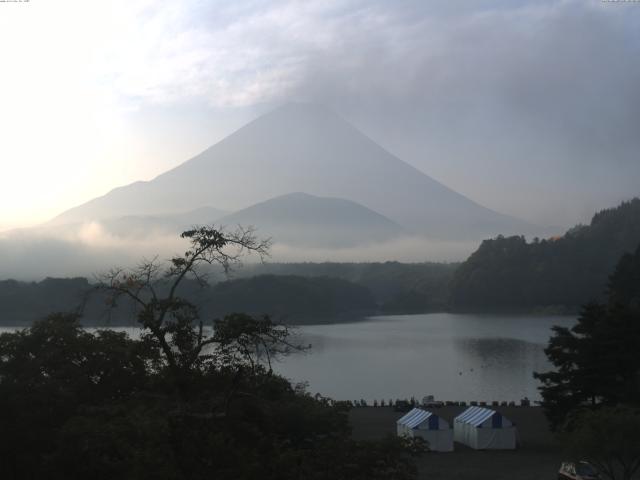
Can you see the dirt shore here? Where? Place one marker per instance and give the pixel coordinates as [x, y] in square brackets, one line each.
[537, 457]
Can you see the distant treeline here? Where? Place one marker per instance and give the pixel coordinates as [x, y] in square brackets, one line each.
[293, 293]
[396, 287]
[565, 272]
[23, 302]
[505, 273]
[291, 298]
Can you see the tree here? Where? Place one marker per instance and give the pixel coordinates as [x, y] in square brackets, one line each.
[51, 372]
[79, 405]
[596, 361]
[167, 319]
[609, 439]
[178, 403]
[565, 271]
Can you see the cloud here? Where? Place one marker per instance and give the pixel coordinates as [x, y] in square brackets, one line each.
[404, 249]
[86, 249]
[528, 107]
[89, 249]
[252, 52]
[531, 108]
[532, 111]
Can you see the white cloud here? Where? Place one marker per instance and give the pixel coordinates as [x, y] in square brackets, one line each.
[438, 82]
[404, 249]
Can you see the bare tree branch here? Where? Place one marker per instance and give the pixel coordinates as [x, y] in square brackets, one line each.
[169, 319]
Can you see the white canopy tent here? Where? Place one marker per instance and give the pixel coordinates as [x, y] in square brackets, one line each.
[429, 426]
[484, 429]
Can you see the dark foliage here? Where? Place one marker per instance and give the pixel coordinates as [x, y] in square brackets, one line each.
[76, 405]
[23, 302]
[179, 403]
[396, 287]
[292, 298]
[509, 273]
[597, 362]
[609, 438]
[297, 293]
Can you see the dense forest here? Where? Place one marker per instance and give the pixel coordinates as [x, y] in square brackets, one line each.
[396, 287]
[505, 273]
[295, 293]
[287, 298]
[178, 403]
[596, 360]
[292, 298]
[591, 396]
[564, 272]
[24, 302]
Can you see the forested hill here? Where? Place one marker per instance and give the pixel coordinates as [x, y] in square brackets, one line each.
[286, 298]
[297, 293]
[510, 273]
[292, 299]
[397, 287]
[505, 273]
[24, 302]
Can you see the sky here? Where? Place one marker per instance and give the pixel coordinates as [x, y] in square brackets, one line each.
[531, 108]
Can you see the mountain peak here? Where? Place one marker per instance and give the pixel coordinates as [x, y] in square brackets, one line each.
[304, 147]
[302, 219]
[302, 109]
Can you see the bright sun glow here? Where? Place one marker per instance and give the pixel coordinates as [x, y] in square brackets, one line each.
[61, 130]
[65, 135]
[95, 94]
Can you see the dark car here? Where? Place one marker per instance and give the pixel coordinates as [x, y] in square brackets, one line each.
[577, 471]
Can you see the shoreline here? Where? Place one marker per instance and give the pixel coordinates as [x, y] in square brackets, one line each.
[346, 319]
[538, 455]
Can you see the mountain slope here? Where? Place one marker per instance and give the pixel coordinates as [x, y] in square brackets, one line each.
[306, 220]
[302, 147]
[170, 223]
[508, 272]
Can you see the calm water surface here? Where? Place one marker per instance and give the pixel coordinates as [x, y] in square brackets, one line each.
[450, 356]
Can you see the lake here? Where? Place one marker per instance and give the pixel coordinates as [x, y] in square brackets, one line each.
[451, 356]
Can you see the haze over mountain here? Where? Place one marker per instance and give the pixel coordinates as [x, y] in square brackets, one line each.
[303, 148]
[171, 223]
[356, 202]
[135, 226]
[301, 219]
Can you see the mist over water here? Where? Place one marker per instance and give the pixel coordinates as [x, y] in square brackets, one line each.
[201, 176]
[89, 249]
[300, 174]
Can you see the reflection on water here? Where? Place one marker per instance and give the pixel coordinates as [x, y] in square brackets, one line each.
[453, 357]
[450, 356]
[501, 367]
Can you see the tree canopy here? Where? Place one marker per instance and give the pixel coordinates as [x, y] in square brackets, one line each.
[180, 402]
[292, 298]
[596, 361]
[566, 271]
[353, 289]
[609, 439]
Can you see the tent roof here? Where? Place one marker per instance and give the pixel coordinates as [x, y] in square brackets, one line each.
[414, 418]
[475, 415]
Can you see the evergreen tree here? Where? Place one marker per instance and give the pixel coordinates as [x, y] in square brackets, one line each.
[565, 271]
[597, 361]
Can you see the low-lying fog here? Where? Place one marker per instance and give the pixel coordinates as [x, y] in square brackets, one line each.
[89, 248]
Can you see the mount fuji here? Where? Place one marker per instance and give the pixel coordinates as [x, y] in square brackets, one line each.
[304, 148]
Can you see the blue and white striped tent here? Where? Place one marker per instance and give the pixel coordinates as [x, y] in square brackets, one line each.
[484, 429]
[429, 426]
